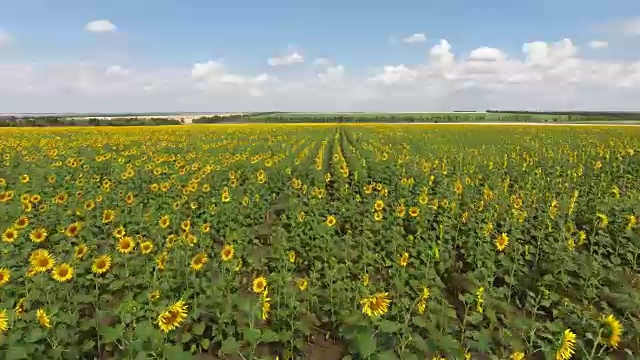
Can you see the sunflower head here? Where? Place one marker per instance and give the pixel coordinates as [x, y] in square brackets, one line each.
[62, 273]
[259, 284]
[126, 244]
[227, 252]
[5, 276]
[101, 264]
[198, 261]
[146, 247]
[38, 235]
[502, 241]
[41, 260]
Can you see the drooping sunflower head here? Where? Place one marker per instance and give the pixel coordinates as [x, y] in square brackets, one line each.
[259, 284]
[227, 252]
[302, 284]
[567, 346]
[101, 264]
[173, 317]
[198, 261]
[43, 318]
[404, 259]
[5, 276]
[614, 329]
[376, 305]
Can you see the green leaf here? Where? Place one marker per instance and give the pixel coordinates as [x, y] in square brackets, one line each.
[176, 352]
[387, 355]
[230, 346]
[269, 335]
[251, 335]
[15, 353]
[389, 326]
[419, 321]
[144, 330]
[198, 329]
[141, 356]
[111, 334]
[421, 344]
[204, 344]
[366, 344]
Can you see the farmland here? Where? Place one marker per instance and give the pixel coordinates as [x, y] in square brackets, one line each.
[323, 241]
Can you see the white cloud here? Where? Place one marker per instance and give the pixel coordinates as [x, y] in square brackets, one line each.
[322, 61]
[117, 70]
[331, 74]
[100, 26]
[6, 39]
[287, 59]
[415, 38]
[212, 75]
[486, 54]
[598, 44]
[396, 74]
[543, 53]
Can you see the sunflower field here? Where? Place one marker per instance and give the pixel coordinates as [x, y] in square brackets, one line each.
[321, 241]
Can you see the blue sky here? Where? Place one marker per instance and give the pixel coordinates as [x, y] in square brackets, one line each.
[160, 41]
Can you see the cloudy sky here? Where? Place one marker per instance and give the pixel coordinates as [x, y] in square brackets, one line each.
[318, 55]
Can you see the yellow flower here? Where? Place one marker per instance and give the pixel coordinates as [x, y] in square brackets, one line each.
[259, 284]
[10, 235]
[615, 331]
[154, 295]
[365, 279]
[302, 284]
[41, 260]
[376, 305]
[43, 318]
[602, 220]
[567, 346]
[292, 256]
[632, 222]
[73, 229]
[38, 235]
[404, 259]
[126, 245]
[198, 261]
[379, 205]
[227, 253]
[161, 260]
[20, 307]
[108, 216]
[414, 211]
[173, 317]
[266, 304]
[146, 247]
[21, 223]
[5, 276]
[80, 251]
[101, 264]
[502, 241]
[119, 232]
[185, 225]
[331, 220]
[4, 321]
[517, 356]
[62, 273]
[164, 221]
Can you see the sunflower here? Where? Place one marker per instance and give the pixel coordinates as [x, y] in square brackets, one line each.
[5, 276]
[4, 321]
[119, 232]
[154, 295]
[73, 229]
[517, 356]
[62, 273]
[227, 252]
[379, 205]
[259, 284]
[615, 330]
[185, 225]
[43, 318]
[302, 284]
[365, 279]
[41, 260]
[414, 211]
[38, 235]
[146, 247]
[266, 304]
[20, 307]
[173, 317]
[108, 216]
[404, 259]
[164, 221]
[24, 178]
[567, 346]
[80, 251]
[101, 264]
[161, 260]
[331, 220]
[502, 241]
[292, 256]
[126, 245]
[376, 305]
[21, 223]
[205, 228]
[10, 235]
[377, 216]
[198, 261]
[89, 205]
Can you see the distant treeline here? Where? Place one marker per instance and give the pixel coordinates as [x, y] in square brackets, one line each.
[217, 119]
[575, 116]
[369, 118]
[49, 121]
